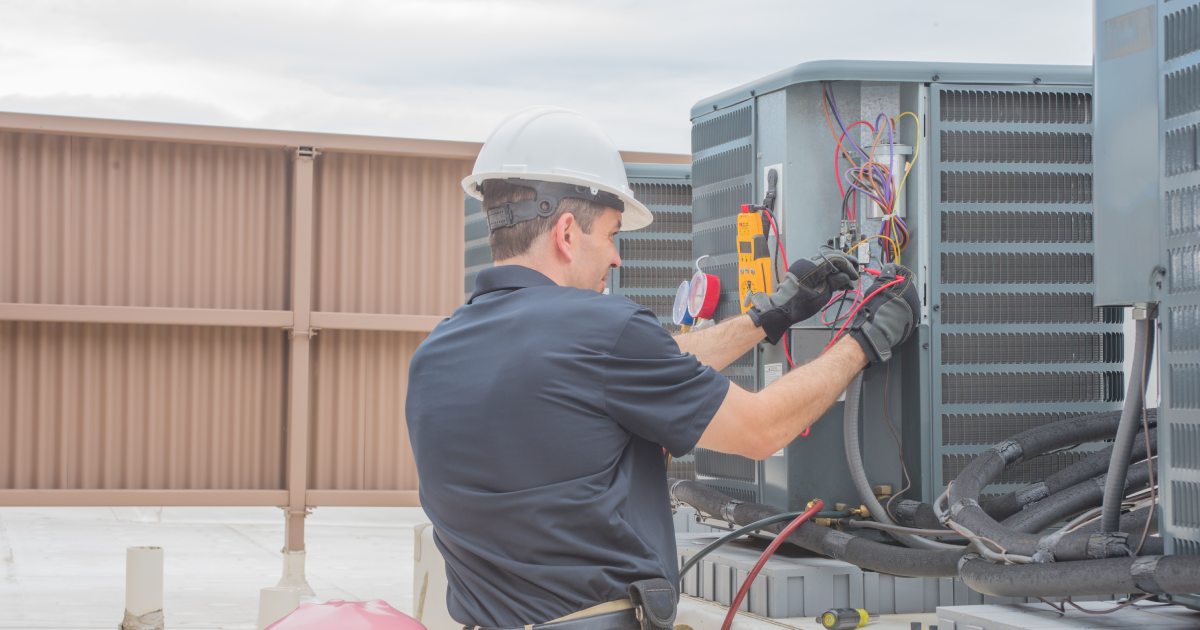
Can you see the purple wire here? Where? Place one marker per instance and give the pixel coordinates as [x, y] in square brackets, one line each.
[883, 120]
[833, 106]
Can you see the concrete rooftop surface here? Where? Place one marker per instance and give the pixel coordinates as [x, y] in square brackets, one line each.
[64, 568]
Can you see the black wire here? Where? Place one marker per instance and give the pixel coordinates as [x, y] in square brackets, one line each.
[737, 533]
[775, 264]
[846, 203]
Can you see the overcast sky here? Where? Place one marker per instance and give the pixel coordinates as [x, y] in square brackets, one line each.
[451, 69]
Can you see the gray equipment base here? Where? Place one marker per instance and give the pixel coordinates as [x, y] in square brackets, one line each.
[807, 586]
[1041, 617]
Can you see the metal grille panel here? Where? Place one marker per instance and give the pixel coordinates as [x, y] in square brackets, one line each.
[1183, 323]
[1016, 227]
[654, 249]
[1181, 150]
[1012, 180]
[1032, 348]
[1179, 96]
[1014, 147]
[993, 106]
[721, 202]
[1181, 32]
[716, 240]
[1184, 269]
[741, 494]
[1183, 210]
[1032, 387]
[659, 194]
[725, 466]
[722, 166]
[666, 222]
[1025, 308]
[1185, 386]
[1026, 472]
[992, 428]
[653, 277]
[993, 187]
[1016, 268]
[1182, 92]
[1185, 503]
[734, 125]
[1185, 446]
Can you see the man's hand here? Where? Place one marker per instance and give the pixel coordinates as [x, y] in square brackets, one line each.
[887, 319]
[805, 290]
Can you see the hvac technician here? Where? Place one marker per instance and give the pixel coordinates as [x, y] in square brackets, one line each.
[540, 409]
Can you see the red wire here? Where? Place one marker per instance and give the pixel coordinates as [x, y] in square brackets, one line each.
[858, 307]
[817, 506]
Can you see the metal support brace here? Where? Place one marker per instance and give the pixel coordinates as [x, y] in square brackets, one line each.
[300, 335]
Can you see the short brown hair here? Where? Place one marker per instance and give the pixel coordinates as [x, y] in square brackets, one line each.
[512, 241]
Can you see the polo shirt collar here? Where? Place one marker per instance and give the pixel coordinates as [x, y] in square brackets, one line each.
[507, 277]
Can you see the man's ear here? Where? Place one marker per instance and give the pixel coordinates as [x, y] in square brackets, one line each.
[564, 236]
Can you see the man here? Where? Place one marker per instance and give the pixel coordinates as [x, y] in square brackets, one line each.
[539, 411]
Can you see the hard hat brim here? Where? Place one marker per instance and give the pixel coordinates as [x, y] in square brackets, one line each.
[635, 217]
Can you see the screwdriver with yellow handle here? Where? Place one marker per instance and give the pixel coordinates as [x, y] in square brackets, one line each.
[845, 618]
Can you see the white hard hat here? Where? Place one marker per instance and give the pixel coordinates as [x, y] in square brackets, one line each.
[551, 144]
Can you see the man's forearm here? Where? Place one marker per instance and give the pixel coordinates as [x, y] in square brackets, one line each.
[800, 398]
[722, 344]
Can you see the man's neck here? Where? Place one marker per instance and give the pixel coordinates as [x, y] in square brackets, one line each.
[555, 274]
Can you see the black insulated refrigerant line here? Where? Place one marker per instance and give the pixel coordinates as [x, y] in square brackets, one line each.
[1095, 464]
[963, 502]
[856, 550]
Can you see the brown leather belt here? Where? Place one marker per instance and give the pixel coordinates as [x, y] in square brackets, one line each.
[618, 620]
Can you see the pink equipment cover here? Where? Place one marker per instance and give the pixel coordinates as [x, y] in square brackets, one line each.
[342, 615]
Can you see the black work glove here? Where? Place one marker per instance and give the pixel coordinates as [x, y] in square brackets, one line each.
[805, 290]
[887, 319]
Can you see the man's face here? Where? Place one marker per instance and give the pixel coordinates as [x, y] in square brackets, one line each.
[597, 252]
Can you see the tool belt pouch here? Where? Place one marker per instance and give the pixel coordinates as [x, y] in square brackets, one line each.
[655, 601]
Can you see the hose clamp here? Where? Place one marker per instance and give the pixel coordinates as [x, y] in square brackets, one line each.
[838, 541]
[962, 504]
[1107, 545]
[1032, 494]
[1044, 553]
[1142, 571]
[1010, 451]
[728, 508]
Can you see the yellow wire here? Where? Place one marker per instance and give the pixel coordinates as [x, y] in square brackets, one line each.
[916, 152]
[891, 241]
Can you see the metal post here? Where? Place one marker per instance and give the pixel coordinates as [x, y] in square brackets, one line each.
[298, 383]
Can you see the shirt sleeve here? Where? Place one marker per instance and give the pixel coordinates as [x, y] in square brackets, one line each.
[657, 392]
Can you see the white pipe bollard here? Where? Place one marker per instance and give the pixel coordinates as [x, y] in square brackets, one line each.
[275, 603]
[293, 573]
[143, 589]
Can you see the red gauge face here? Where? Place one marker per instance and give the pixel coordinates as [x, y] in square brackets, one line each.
[702, 300]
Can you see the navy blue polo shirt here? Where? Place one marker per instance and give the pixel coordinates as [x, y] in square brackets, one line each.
[538, 415]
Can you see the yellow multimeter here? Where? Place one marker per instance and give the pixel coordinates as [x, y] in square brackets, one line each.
[754, 257]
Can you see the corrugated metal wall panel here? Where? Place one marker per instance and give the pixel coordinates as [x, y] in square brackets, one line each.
[140, 407]
[388, 234]
[93, 221]
[359, 439]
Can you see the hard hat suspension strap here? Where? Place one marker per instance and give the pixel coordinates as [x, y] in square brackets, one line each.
[549, 194]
